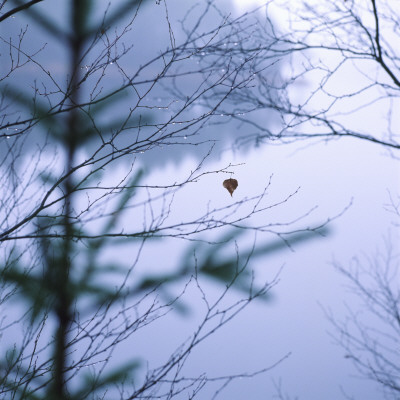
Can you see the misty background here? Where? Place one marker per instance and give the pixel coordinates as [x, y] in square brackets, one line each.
[347, 180]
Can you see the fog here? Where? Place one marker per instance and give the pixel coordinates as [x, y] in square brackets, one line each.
[347, 182]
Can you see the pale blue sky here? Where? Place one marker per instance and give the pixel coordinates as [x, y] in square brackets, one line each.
[330, 175]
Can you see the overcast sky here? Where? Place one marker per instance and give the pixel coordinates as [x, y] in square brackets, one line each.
[330, 176]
